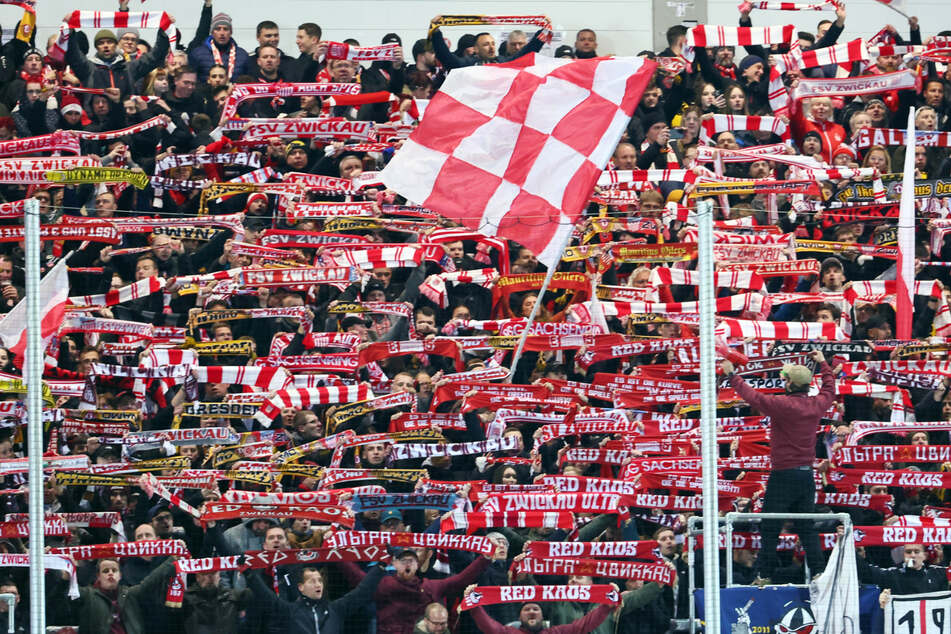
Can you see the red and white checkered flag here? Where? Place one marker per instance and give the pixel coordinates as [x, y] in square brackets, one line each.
[515, 149]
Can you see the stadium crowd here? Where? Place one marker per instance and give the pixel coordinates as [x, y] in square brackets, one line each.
[307, 360]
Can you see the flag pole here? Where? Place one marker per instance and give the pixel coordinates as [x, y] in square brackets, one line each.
[33, 373]
[896, 10]
[905, 273]
[708, 417]
[538, 303]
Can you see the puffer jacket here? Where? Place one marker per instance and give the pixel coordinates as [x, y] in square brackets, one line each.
[202, 59]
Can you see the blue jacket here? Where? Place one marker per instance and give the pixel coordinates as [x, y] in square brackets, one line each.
[202, 60]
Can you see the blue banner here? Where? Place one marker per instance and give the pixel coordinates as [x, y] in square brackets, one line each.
[752, 610]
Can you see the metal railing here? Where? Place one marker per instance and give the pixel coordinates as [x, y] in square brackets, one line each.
[725, 524]
[11, 600]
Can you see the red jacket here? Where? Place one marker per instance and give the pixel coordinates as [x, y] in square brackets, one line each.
[587, 623]
[793, 419]
[832, 133]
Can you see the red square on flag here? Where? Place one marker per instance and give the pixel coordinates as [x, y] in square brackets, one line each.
[515, 149]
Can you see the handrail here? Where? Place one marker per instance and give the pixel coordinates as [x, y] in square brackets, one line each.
[11, 600]
[725, 523]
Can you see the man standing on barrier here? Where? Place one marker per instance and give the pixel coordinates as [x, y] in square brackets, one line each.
[794, 417]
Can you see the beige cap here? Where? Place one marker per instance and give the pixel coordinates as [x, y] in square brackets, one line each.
[797, 374]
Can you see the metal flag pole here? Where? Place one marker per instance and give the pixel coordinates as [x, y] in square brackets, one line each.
[33, 373]
[708, 418]
[896, 9]
[905, 267]
[538, 303]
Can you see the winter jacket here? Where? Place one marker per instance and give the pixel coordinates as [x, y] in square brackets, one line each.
[95, 608]
[202, 59]
[213, 610]
[96, 72]
[399, 603]
[306, 616]
[450, 61]
[903, 580]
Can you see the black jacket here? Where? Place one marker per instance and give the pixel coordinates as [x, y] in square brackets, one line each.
[302, 615]
[904, 580]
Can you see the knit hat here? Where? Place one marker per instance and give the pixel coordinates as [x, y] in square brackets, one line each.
[652, 118]
[748, 61]
[798, 375]
[70, 104]
[255, 196]
[221, 19]
[565, 51]
[813, 133]
[33, 51]
[296, 144]
[465, 42]
[126, 30]
[104, 34]
[846, 149]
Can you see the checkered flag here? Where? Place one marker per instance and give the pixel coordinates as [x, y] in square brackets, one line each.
[515, 149]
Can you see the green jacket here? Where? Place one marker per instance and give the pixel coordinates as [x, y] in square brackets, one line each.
[95, 608]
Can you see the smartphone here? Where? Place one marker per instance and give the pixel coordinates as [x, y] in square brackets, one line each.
[677, 133]
[717, 94]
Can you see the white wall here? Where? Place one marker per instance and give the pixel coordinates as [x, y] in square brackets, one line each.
[623, 27]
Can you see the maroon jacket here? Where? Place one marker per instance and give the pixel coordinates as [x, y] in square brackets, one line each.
[793, 419]
[587, 623]
[400, 604]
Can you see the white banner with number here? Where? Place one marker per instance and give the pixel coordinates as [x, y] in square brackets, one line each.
[919, 614]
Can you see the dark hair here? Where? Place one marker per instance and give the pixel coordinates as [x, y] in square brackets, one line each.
[426, 311]
[832, 308]
[265, 24]
[675, 32]
[821, 22]
[806, 35]
[311, 29]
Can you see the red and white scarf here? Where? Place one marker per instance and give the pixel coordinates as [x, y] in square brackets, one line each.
[383, 52]
[788, 330]
[434, 287]
[243, 92]
[476, 520]
[658, 573]
[708, 35]
[142, 288]
[148, 124]
[60, 141]
[732, 123]
[492, 595]
[441, 541]
[304, 398]
[111, 19]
